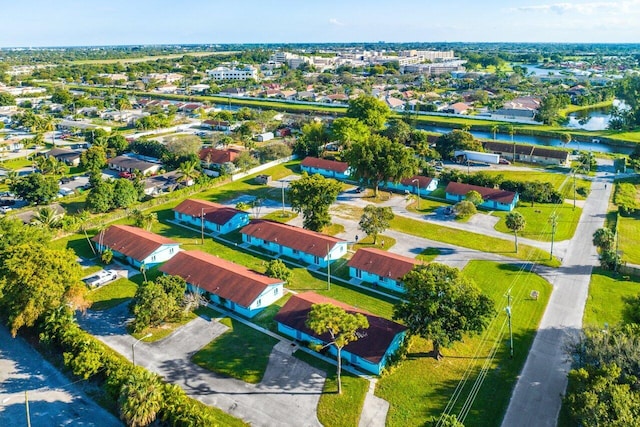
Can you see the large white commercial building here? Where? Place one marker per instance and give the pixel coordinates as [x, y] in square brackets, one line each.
[226, 73]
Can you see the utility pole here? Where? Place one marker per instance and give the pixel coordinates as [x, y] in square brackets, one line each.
[417, 181]
[328, 269]
[283, 198]
[202, 225]
[574, 189]
[508, 310]
[26, 403]
[554, 222]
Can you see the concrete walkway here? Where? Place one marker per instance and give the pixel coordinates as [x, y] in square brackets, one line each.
[537, 396]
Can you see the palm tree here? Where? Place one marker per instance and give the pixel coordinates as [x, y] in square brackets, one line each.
[140, 398]
[59, 168]
[11, 177]
[189, 170]
[515, 222]
[495, 129]
[46, 217]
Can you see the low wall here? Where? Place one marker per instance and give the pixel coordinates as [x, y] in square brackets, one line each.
[263, 167]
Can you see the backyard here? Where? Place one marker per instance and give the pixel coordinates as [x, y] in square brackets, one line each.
[538, 222]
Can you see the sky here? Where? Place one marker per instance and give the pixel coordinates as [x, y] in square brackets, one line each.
[34, 23]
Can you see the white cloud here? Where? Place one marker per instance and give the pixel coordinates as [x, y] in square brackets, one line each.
[589, 8]
[334, 21]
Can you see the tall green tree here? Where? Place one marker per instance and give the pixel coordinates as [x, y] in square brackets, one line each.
[34, 280]
[348, 129]
[46, 217]
[369, 110]
[375, 219]
[314, 136]
[441, 305]
[157, 302]
[125, 193]
[398, 131]
[312, 195]
[604, 239]
[379, 160]
[277, 269]
[100, 198]
[456, 140]
[474, 197]
[36, 188]
[341, 326]
[94, 158]
[516, 223]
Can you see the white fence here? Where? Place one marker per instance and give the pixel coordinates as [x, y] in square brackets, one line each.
[262, 167]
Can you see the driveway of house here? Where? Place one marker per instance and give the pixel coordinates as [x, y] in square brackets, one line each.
[287, 396]
[54, 400]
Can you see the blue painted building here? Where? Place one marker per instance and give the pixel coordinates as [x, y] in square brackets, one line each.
[136, 246]
[369, 353]
[218, 219]
[380, 268]
[326, 168]
[494, 199]
[230, 285]
[306, 246]
[411, 185]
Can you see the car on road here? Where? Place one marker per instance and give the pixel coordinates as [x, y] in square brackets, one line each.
[101, 278]
[359, 189]
[4, 209]
[504, 162]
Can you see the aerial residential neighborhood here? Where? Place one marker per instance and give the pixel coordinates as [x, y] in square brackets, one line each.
[290, 226]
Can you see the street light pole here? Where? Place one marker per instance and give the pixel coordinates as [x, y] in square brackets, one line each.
[554, 223]
[508, 310]
[417, 181]
[282, 198]
[133, 348]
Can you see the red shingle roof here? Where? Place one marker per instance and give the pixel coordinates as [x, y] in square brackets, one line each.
[218, 276]
[500, 196]
[213, 212]
[371, 347]
[130, 241]
[331, 165]
[424, 181]
[382, 263]
[212, 155]
[306, 241]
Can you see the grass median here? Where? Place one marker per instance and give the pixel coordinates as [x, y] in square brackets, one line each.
[470, 240]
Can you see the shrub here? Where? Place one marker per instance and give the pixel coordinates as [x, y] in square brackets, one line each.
[464, 209]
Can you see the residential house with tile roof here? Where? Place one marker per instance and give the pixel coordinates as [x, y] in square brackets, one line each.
[424, 184]
[218, 219]
[135, 245]
[370, 352]
[230, 285]
[494, 198]
[133, 165]
[326, 168]
[381, 268]
[307, 246]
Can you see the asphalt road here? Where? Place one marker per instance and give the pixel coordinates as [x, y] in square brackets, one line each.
[537, 397]
[54, 400]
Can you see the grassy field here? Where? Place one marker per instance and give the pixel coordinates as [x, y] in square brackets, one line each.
[15, 164]
[538, 225]
[337, 410]
[422, 386]
[108, 296]
[164, 330]
[629, 238]
[241, 352]
[607, 295]
[470, 240]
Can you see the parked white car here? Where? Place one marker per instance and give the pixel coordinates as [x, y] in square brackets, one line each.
[102, 277]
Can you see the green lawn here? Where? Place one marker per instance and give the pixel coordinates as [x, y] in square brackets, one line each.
[471, 240]
[164, 330]
[278, 216]
[538, 226]
[367, 242]
[15, 164]
[114, 293]
[333, 229]
[338, 410]
[607, 295]
[629, 238]
[241, 352]
[421, 386]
